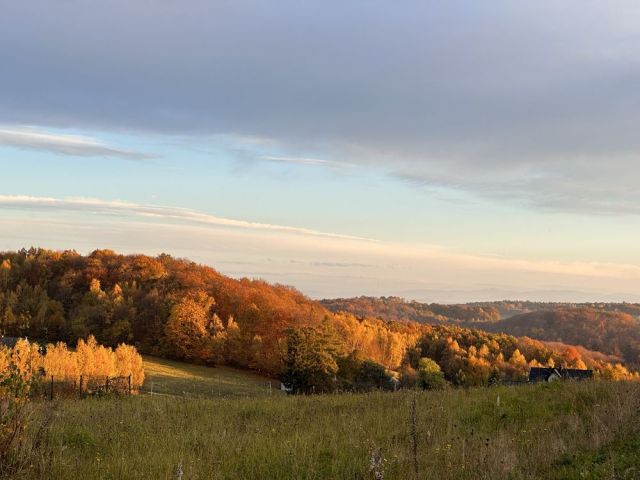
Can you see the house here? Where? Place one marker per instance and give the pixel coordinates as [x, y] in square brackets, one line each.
[550, 374]
[286, 388]
[8, 341]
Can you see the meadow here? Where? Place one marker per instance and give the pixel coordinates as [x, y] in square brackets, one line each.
[168, 377]
[544, 431]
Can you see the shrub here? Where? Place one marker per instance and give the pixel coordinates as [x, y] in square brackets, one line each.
[430, 375]
[16, 384]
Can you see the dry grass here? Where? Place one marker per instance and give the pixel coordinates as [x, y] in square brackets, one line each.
[535, 432]
[176, 378]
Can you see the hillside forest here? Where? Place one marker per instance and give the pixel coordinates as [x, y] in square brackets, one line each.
[178, 309]
[610, 328]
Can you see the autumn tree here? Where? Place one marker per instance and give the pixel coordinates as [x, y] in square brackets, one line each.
[62, 363]
[310, 361]
[430, 375]
[194, 330]
[129, 362]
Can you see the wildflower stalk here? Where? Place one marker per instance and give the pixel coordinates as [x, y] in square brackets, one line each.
[414, 434]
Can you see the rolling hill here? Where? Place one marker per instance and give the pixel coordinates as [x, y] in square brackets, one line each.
[614, 333]
[179, 310]
[396, 309]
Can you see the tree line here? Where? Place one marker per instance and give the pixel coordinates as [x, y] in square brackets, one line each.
[398, 309]
[178, 309]
[88, 360]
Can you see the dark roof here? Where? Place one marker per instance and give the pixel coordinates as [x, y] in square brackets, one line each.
[8, 341]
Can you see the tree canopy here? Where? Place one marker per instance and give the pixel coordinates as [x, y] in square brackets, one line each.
[176, 308]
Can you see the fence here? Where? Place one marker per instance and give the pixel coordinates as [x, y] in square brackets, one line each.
[51, 388]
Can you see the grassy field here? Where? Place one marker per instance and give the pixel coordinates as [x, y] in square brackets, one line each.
[546, 431]
[166, 377]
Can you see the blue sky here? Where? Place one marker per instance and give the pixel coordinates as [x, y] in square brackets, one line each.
[446, 151]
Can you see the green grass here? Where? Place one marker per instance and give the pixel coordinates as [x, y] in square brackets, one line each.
[619, 459]
[561, 431]
[166, 377]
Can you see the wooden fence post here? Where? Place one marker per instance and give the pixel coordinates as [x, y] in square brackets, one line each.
[81, 386]
[106, 388]
[129, 384]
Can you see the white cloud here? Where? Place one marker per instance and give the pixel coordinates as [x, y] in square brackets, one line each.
[320, 263]
[156, 211]
[31, 138]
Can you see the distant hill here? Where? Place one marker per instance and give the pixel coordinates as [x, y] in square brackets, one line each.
[509, 308]
[610, 332]
[613, 329]
[396, 309]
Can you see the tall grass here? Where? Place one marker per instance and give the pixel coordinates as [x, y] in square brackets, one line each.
[533, 432]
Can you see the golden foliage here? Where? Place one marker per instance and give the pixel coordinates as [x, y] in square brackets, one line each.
[90, 360]
[129, 362]
[60, 362]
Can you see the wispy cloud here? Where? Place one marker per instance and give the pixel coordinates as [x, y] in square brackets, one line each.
[320, 263]
[315, 162]
[421, 272]
[344, 250]
[156, 211]
[32, 138]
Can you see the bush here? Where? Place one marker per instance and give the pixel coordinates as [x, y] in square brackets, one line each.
[408, 377]
[430, 375]
[372, 376]
[15, 387]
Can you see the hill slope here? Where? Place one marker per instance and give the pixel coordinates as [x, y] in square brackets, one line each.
[168, 377]
[396, 309]
[614, 333]
[54, 295]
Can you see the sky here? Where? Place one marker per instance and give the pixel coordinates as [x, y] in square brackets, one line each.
[443, 151]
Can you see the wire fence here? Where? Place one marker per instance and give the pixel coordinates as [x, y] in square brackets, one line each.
[52, 388]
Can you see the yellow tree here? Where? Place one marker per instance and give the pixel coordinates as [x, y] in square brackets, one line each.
[105, 361]
[60, 362]
[26, 357]
[191, 327]
[129, 362]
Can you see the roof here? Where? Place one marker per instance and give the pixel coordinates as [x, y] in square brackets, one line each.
[8, 341]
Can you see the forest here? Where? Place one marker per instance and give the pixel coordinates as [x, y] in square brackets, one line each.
[510, 308]
[475, 313]
[611, 332]
[397, 309]
[612, 329]
[177, 309]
